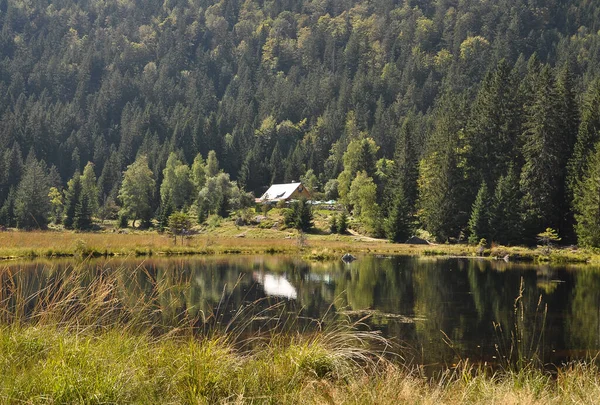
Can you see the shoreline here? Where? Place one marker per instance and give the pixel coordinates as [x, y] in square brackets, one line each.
[64, 244]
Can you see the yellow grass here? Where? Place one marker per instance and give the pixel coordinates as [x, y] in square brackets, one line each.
[228, 239]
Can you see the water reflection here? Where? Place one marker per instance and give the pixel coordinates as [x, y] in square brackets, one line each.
[275, 285]
[443, 310]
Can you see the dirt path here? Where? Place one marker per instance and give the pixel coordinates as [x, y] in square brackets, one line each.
[365, 238]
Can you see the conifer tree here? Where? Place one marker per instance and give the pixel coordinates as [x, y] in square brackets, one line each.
[442, 206]
[7, 212]
[212, 164]
[83, 213]
[397, 225]
[588, 134]
[505, 216]
[72, 198]
[166, 209]
[542, 175]
[89, 187]
[479, 223]
[494, 126]
[587, 203]
[32, 203]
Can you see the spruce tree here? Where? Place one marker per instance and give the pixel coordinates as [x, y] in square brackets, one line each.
[505, 216]
[587, 203]
[83, 213]
[72, 198]
[90, 187]
[542, 175]
[588, 134]
[7, 212]
[397, 225]
[443, 205]
[32, 203]
[479, 223]
[494, 126]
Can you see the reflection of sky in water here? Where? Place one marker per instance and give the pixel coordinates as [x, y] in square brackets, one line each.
[276, 285]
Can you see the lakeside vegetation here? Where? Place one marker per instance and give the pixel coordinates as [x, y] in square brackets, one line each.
[229, 239]
[85, 339]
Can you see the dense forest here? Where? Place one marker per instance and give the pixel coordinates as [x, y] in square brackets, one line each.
[470, 119]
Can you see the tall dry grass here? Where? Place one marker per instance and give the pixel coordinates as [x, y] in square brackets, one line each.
[92, 337]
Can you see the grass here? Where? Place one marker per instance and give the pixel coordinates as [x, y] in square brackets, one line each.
[83, 339]
[229, 239]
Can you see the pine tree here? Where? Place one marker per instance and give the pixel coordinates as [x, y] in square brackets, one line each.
[479, 223]
[72, 198]
[397, 225]
[32, 203]
[89, 187]
[542, 175]
[494, 126]
[587, 203]
[212, 164]
[342, 223]
[443, 205]
[166, 209]
[7, 212]
[587, 134]
[83, 213]
[505, 216]
[569, 121]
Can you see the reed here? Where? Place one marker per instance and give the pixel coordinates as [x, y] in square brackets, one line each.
[90, 337]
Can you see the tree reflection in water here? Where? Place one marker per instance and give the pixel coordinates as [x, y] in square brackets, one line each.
[443, 310]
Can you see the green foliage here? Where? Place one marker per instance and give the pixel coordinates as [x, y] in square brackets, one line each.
[342, 223]
[333, 224]
[32, 203]
[89, 187]
[587, 203]
[505, 215]
[398, 222]
[427, 97]
[56, 200]
[212, 164]
[179, 225]
[548, 237]
[363, 198]
[299, 215]
[443, 191]
[479, 223]
[542, 173]
[177, 184]
[72, 198]
[137, 190]
[83, 213]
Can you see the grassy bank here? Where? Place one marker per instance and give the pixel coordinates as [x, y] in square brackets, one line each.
[52, 365]
[89, 338]
[228, 239]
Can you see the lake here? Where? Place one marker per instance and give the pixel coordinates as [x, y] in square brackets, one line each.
[439, 310]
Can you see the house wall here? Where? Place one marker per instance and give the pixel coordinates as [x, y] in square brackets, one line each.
[297, 195]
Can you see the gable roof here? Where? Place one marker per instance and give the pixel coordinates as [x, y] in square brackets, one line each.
[280, 191]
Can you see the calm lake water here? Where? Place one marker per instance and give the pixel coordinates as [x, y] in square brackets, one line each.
[439, 310]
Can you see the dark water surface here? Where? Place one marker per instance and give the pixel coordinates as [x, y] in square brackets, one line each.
[440, 310]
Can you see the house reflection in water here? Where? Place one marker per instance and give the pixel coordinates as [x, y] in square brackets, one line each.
[275, 285]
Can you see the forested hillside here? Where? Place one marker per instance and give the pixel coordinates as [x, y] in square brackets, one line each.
[467, 118]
